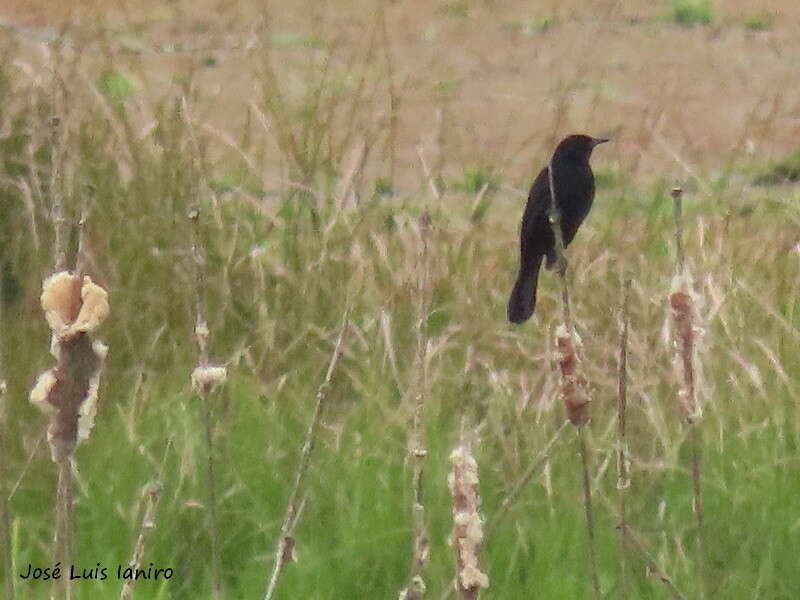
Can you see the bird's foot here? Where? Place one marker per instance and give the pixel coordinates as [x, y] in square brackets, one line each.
[554, 264]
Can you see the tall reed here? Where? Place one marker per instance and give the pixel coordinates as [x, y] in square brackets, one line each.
[682, 304]
[574, 388]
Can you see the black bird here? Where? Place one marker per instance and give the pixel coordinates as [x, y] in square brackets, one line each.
[574, 183]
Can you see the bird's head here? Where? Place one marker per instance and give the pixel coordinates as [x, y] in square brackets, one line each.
[577, 147]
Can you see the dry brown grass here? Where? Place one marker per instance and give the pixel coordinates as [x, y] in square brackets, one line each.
[509, 89]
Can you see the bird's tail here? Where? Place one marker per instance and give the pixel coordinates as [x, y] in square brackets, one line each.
[523, 296]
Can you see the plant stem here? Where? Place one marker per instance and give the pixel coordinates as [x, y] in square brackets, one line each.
[285, 541]
[202, 338]
[697, 504]
[558, 235]
[532, 470]
[418, 442]
[677, 194]
[686, 352]
[587, 505]
[554, 215]
[153, 494]
[63, 542]
[216, 569]
[623, 476]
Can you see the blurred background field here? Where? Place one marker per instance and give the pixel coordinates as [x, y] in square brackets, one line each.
[311, 138]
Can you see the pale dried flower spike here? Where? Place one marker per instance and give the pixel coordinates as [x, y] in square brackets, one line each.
[467, 523]
[70, 311]
[206, 379]
[682, 309]
[573, 383]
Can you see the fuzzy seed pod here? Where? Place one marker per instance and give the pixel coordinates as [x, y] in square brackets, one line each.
[205, 379]
[573, 383]
[467, 523]
[73, 307]
[682, 311]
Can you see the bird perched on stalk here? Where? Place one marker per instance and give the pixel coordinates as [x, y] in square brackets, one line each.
[574, 186]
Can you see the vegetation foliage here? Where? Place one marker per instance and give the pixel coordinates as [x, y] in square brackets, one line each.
[285, 254]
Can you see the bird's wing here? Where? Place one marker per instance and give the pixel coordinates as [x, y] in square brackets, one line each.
[538, 202]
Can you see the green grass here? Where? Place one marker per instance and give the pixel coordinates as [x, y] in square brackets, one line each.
[458, 9]
[473, 178]
[782, 170]
[763, 22]
[530, 27]
[281, 267]
[609, 176]
[692, 12]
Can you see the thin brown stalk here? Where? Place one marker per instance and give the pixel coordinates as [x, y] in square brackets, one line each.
[285, 543]
[418, 449]
[393, 105]
[681, 302]
[677, 194]
[56, 190]
[348, 182]
[420, 545]
[697, 504]
[574, 390]
[623, 475]
[205, 380]
[441, 125]
[635, 542]
[216, 567]
[63, 539]
[27, 466]
[428, 175]
[62, 542]
[152, 494]
[63, 531]
[561, 260]
[533, 469]
[587, 507]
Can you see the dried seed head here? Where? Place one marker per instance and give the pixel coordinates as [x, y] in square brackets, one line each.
[94, 307]
[288, 552]
[60, 300]
[205, 379]
[152, 490]
[41, 390]
[623, 468]
[682, 310]
[467, 523]
[201, 330]
[573, 383]
[73, 306]
[415, 591]
[68, 392]
[88, 409]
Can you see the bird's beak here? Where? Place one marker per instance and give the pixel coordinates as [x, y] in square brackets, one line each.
[598, 141]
